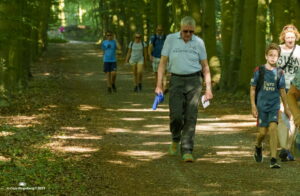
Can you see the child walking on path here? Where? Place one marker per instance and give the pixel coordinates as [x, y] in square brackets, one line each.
[268, 84]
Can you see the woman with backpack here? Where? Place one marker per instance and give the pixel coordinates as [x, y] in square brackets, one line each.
[136, 57]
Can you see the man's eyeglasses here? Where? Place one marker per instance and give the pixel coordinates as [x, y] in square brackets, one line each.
[187, 31]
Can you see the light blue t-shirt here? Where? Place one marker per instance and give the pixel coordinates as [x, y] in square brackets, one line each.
[137, 52]
[109, 47]
[184, 57]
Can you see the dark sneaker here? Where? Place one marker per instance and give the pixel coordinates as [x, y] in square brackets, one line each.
[188, 158]
[136, 89]
[114, 88]
[283, 155]
[109, 90]
[274, 164]
[290, 157]
[258, 157]
[140, 86]
[174, 148]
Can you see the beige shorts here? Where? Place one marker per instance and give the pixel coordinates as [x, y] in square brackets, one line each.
[155, 64]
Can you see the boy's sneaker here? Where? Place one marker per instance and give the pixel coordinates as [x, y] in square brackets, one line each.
[188, 157]
[283, 155]
[290, 157]
[274, 164]
[258, 157]
[174, 148]
[114, 88]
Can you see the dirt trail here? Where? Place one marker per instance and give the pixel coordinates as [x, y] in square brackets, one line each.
[121, 144]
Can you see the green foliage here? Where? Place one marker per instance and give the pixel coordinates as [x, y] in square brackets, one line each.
[37, 167]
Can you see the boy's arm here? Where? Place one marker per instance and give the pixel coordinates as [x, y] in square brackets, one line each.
[252, 100]
[284, 102]
[292, 97]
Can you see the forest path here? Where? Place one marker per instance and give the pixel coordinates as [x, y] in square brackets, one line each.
[121, 144]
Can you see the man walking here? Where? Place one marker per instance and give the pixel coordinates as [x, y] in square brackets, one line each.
[187, 58]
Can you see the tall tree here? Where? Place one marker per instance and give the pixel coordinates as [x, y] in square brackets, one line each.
[209, 27]
[163, 15]
[260, 35]
[235, 48]
[280, 16]
[226, 32]
[248, 45]
[195, 9]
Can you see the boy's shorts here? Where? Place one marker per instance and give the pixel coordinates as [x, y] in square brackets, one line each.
[109, 67]
[265, 118]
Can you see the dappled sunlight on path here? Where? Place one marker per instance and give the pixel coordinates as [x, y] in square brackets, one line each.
[121, 144]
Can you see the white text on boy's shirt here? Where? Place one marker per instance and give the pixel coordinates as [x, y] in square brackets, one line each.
[269, 86]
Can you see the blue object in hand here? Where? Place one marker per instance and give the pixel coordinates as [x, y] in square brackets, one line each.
[157, 100]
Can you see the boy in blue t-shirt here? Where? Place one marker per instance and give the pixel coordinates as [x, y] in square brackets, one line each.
[109, 47]
[267, 105]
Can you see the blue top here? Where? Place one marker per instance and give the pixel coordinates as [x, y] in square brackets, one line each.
[184, 57]
[268, 98]
[109, 47]
[158, 42]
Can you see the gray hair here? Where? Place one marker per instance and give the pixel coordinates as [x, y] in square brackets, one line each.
[188, 20]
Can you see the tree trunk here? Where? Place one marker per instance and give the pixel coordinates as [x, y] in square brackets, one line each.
[10, 50]
[280, 16]
[195, 9]
[261, 26]
[163, 15]
[226, 32]
[235, 49]
[248, 45]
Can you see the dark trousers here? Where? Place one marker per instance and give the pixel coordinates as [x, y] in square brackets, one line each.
[183, 103]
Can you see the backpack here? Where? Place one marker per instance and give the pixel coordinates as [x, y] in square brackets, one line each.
[131, 43]
[261, 78]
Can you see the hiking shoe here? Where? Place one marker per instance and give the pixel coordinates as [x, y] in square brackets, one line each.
[290, 157]
[188, 157]
[283, 155]
[174, 148]
[274, 164]
[114, 88]
[258, 157]
[109, 90]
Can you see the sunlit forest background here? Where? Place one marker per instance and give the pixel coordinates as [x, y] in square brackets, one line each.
[235, 31]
